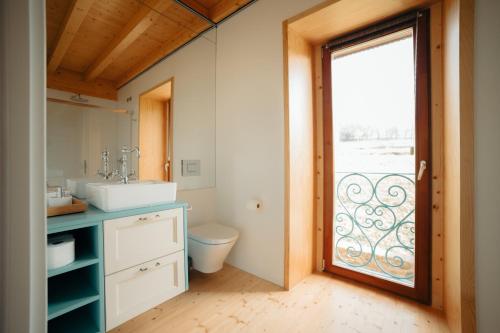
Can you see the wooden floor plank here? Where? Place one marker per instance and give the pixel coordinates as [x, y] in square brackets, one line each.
[234, 301]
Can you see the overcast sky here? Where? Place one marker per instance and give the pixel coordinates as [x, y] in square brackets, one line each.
[375, 87]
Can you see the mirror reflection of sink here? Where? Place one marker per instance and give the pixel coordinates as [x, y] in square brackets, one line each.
[78, 186]
[115, 196]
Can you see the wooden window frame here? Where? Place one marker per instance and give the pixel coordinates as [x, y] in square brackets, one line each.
[420, 22]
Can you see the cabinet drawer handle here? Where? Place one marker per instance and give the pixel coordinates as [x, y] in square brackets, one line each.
[143, 269]
[157, 264]
[143, 219]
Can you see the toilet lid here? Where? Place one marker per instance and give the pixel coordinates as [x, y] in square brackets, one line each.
[213, 234]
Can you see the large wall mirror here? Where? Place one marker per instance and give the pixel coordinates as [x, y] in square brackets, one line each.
[173, 116]
[177, 143]
[77, 134]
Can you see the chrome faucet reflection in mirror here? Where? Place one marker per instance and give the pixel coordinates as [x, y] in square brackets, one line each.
[106, 172]
[125, 175]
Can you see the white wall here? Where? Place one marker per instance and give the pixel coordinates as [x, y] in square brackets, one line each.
[250, 128]
[23, 233]
[487, 163]
[202, 201]
[193, 70]
[250, 133]
[64, 142]
[77, 134]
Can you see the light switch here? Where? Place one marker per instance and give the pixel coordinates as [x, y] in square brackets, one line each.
[191, 168]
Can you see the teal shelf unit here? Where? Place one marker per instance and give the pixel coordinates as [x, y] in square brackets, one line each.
[83, 261]
[72, 290]
[76, 291]
[81, 320]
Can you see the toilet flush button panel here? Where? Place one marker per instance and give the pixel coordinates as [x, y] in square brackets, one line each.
[191, 168]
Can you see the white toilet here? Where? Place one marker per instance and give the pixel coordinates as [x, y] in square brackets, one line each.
[209, 245]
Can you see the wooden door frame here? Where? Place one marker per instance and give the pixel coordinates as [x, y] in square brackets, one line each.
[422, 289]
[170, 137]
[169, 154]
[452, 69]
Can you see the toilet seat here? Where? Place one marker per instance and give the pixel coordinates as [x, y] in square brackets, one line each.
[212, 234]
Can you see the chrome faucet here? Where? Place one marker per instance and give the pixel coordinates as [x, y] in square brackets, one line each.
[125, 175]
[106, 173]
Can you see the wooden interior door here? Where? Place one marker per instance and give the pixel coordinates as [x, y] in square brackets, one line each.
[377, 152]
[153, 128]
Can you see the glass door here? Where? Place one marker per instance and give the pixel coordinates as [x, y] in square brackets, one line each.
[377, 153]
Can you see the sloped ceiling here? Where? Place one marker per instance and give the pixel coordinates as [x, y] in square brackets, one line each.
[96, 46]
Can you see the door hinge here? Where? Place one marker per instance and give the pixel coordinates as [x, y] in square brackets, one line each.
[323, 265]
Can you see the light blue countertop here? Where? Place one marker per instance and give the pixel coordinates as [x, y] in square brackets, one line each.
[93, 216]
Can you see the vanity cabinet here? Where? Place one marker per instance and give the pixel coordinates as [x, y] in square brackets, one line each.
[137, 289]
[144, 263]
[133, 240]
[126, 263]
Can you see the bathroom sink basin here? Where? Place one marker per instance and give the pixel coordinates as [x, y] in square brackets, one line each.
[78, 186]
[111, 197]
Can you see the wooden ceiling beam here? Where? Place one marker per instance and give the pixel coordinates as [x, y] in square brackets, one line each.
[74, 18]
[216, 13]
[152, 58]
[224, 8]
[70, 81]
[135, 27]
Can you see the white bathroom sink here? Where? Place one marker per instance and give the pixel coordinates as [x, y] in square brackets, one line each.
[78, 186]
[111, 197]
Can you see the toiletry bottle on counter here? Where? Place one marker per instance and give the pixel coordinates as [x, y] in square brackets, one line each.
[57, 197]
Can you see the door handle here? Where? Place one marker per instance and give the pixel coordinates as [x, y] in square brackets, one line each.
[421, 170]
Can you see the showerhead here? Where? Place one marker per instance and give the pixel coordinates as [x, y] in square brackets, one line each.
[79, 99]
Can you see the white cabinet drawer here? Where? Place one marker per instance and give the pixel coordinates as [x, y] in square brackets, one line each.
[132, 240]
[140, 288]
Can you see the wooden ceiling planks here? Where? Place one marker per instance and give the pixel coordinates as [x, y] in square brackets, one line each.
[136, 26]
[66, 80]
[75, 15]
[200, 6]
[224, 8]
[207, 3]
[179, 26]
[148, 48]
[103, 23]
[112, 41]
[56, 12]
[150, 59]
